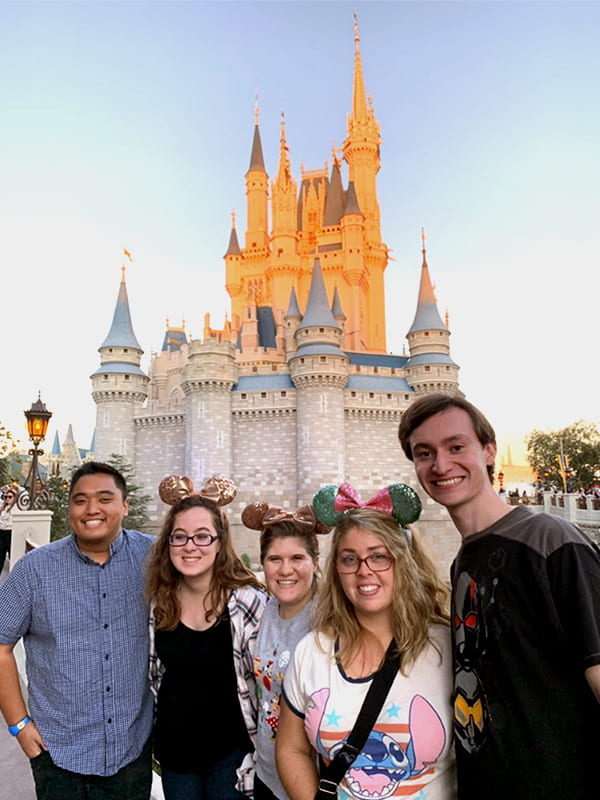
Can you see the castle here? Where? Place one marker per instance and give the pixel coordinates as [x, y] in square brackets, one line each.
[296, 390]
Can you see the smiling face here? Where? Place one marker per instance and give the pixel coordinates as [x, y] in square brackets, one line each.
[289, 573]
[370, 592]
[193, 561]
[96, 513]
[451, 463]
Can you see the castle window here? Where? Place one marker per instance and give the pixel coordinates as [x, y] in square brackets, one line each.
[254, 369]
[125, 350]
[274, 368]
[426, 333]
[105, 376]
[322, 359]
[352, 394]
[126, 377]
[110, 349]
[283, 394]
[280, 252]
[427, 369]
[376, 370]
[321, 330]
[389, 396]
[244, 395]
[371, 395]
[263, 394]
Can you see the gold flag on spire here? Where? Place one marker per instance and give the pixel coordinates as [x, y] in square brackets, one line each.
[128, 254]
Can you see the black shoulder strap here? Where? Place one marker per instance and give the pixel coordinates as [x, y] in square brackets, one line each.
[367, 716]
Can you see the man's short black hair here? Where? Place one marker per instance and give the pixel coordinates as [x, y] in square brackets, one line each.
[95, 468]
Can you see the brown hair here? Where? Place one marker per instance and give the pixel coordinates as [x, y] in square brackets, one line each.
[429, 405]
[163, 579]
[420, 596]
[288, 528]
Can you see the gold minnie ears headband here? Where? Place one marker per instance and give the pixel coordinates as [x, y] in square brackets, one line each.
[258, 517]
[398, 501]
[219, 489]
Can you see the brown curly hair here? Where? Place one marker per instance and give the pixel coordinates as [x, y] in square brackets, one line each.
[162, 579]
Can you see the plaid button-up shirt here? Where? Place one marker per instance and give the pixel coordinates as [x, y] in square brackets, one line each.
[85, 630]
[246, 606]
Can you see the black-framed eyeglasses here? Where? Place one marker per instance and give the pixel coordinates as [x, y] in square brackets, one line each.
[200, 539]
[376, 562]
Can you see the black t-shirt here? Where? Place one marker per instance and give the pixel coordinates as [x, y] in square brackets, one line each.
[526, 625]
[199, 719]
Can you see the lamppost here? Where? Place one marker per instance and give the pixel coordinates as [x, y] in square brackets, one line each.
[501, 481]
[38, 418]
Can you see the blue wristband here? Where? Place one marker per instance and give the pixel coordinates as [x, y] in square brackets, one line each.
[16, 729]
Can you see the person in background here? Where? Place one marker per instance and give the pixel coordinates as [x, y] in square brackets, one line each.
[78, 604]
[289, 554]
[380, 593]
[205, 609]
[526, 620]
[8, 499]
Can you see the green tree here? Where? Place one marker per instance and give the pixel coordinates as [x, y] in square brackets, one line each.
[6, 445]
[138, 502]
[580, 441]
[58, 489]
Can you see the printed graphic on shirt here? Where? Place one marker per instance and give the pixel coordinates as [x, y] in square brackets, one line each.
[470, 706]
[269, 672]
[393, 755]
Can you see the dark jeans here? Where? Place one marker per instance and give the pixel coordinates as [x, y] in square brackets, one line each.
[212, 783]
[132, 782]
[262, 791]
[5, 537]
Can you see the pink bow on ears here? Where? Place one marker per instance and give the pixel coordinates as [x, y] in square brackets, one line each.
[348, 498]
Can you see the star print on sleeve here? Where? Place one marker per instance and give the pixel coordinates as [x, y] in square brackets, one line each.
[333, 719]
[393, 711]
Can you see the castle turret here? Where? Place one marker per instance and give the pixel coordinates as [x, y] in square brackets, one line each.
[257, 194]
[285, 261]
[119, 386]
[319, 371]
[429, 367]
[233, 263]
[207, 380]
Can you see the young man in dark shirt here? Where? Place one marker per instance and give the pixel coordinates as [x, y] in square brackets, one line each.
[526, 620]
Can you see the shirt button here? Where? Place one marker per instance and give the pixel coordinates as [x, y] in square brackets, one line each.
[108, 688]
[109, 720]
[104, 595]
[106, 657]
[105, 625]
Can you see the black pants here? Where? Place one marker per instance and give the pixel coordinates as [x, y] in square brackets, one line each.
[132, 782]
[5, 537]
[262, 791]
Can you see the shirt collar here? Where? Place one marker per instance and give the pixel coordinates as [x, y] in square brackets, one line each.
[115, 547]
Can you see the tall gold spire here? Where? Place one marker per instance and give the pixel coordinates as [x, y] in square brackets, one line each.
[359, 94]
[285, 171]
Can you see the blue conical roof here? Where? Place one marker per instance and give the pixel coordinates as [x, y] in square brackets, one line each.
[257, 162]
[336, 306]
[293, 311]
[318, 314]
[56, 445]
[427, 316]
[121, 331]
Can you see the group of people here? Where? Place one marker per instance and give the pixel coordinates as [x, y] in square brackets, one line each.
[362, 682]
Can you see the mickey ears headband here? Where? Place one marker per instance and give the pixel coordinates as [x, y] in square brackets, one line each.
[398, 501]
[218, 489]
[258, 517]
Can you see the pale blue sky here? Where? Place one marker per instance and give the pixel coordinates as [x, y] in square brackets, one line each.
[130, 123]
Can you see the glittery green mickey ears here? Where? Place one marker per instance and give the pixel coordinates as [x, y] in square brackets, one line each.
[398, 500]
[323, 505]
[406, 503]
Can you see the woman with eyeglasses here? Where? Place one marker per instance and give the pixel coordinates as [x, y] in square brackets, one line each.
[205, 608]
[9, 497]
[289, 554]
[380, 594]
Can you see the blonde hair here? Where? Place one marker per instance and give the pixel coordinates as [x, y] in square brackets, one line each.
[420, 598]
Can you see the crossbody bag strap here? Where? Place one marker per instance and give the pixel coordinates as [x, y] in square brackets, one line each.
[367, 716]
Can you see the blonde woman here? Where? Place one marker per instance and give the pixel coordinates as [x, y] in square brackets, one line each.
[379, 588]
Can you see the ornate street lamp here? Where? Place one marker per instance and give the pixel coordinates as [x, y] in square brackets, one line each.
[38, 418]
